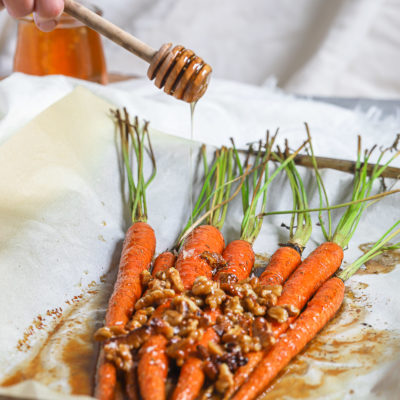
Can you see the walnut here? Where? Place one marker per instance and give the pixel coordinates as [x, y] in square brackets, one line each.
[145, 277]
[268, 300]
[153, 297]
[162, 327]
[183, 304]
[161, 275]
[175, 279]
[214, 260]
[215, 299]
[102, 334]
[225, 379]
[292, 310]
[278, 313]
[262, 330]
[254, 307]
[173, 317]
[215, 349]
[179, 348]
[232, 305]
[188, 326]
[202, 286]
[120, 355]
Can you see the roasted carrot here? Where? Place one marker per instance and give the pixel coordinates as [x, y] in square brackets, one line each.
[326, 259]
[131, 384]
[153, 368]
[281, 264]
[164, 262]
[239, 253]
[106, 379]
[138, 247]
[189, 263]
[243, 372]
[192, 377]
[319, 311]
[322, 307]
[239, 256]
[137, 253]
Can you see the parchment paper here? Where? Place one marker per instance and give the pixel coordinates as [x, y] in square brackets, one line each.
[63, 219]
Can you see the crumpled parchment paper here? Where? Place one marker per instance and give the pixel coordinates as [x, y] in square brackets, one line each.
[63, 218]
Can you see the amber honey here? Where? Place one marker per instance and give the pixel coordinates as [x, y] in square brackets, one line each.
[71, 49]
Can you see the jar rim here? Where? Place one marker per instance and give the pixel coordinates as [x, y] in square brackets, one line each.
[67, 20]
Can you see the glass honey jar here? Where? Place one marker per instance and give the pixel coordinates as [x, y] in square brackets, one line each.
[71, 49]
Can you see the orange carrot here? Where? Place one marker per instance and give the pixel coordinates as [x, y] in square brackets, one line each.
[193, 372]
[302, 284]
[153, 368]
[137, 250]
[322, 263]
[319, 311]
[282, 263]
[189, 263]
[192, 377]
[131, 384]
[239, 256]
[244, 372]
[106, 379]
[163, 262]
[137, 253]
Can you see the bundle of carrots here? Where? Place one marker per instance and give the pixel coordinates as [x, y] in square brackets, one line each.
[198, 324]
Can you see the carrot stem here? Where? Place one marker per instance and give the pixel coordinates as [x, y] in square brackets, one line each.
[378, 248]
[133, 137]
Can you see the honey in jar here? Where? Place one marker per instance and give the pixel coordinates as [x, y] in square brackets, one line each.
[71, 49]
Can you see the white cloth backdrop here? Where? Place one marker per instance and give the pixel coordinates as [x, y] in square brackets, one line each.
[332, 48]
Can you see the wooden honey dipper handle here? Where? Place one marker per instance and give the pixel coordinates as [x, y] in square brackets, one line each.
[179, 71]
[109, 30]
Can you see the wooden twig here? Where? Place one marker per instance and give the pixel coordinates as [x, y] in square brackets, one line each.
[343, 165]
[339, 165]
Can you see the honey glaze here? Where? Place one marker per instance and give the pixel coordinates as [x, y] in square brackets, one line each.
[69, 350]
[347, 347]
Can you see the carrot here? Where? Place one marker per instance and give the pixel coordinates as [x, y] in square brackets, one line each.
[106, 379]
[244, 372]
[239, 256]
[163, 262]
[153, 368]
[137, 253]
[192, 377]
[327, 258]
[239, 253]
[193, 372]
[282, 263]
[189, 263]
[319, 311]
[131, 384]
[137, 250]
[322, 263]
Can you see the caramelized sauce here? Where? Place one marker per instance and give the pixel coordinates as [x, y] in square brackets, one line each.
[345, 348]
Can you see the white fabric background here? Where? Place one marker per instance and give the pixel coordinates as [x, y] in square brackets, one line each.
[333, 48]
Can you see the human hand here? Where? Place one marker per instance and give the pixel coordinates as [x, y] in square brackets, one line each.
[45, 12]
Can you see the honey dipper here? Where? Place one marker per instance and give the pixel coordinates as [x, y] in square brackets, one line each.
[179, 71]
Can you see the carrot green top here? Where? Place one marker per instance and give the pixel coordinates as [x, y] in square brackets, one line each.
[133, 135]
[378, 248]
[254, 206]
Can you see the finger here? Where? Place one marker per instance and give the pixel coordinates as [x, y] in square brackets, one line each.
[1, 5]
[47, 13]
[19, 8]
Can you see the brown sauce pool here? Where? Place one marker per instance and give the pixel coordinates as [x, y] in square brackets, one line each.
[326, 366]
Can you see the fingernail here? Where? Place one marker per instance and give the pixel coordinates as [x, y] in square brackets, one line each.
[45, 25]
